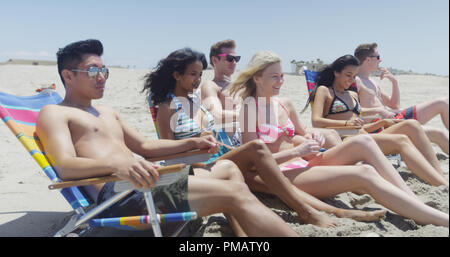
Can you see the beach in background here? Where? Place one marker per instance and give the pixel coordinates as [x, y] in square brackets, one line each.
[28, 208]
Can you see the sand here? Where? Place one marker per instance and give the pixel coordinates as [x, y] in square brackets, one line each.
[28, 208]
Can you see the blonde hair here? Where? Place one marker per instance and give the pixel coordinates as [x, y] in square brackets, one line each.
[244, 86]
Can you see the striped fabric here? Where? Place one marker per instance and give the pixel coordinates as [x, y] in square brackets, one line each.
[20, 113]
[310, 77]
[185, 127]
[140, 222]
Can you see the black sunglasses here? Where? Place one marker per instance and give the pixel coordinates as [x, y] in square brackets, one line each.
[377, 56]
[230, 57]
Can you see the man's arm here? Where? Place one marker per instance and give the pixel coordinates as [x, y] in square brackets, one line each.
[213, 104]
[370, 111]
[147, 148]
[392, 101]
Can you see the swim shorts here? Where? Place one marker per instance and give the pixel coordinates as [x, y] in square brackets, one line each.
[405, 114]
[408, 113]
[167, 198]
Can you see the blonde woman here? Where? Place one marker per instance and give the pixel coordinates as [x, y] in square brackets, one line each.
[319, 174]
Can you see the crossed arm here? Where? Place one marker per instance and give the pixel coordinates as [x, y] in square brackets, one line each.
[213, 104]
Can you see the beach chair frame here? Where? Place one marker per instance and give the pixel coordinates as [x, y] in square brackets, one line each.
[19, 113]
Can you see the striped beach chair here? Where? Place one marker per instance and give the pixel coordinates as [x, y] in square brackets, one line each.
[19, 113]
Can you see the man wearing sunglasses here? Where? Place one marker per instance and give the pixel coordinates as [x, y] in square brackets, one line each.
[374, 101]
[215, 96]
[82, 141]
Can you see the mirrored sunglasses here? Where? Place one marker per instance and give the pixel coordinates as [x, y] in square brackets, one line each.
[93, 71]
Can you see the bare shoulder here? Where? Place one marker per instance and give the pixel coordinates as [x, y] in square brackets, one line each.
[53, 112]
[364, 83]
[165, 110]
[323, 91]
[209, 88]
[287, 102]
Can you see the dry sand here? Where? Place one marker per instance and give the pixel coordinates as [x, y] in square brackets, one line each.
[28, 208]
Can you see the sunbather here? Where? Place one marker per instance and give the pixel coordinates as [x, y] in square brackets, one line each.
[171, 84]
[375, 101]
[334, 105]
[83, 140]
[216, 96]
[332, 172]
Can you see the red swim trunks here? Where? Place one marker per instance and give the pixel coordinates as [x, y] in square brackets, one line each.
[408, 113]
[405, 114]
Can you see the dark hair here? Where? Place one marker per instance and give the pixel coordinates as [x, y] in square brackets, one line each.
[160, 82]
[365, 50]
[325, 77]
[216, 49]
[70, 56]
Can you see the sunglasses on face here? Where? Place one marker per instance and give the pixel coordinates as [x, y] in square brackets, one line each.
[375, 56]
[93, 71]
[230, 57]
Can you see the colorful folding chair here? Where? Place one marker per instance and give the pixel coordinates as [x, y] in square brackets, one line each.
[20, 113]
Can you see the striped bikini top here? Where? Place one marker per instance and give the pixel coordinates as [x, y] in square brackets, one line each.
[186, 127]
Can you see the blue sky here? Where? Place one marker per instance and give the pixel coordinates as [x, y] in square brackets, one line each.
[411, 34]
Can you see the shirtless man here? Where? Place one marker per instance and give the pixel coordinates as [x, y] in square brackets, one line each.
[215, 93]
[374, 101]
[83, 140]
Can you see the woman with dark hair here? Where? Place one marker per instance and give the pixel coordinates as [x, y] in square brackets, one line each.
[335, 105]
[320, 174]
[171, 85]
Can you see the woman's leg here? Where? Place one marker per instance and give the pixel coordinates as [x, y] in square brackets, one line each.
[207, 196]
[260, 186]
[396, 143]
[362, 148]
[438, 136]
[328, 181]
[426, 111]
[332, 137]
[254, 157]
[416, 134]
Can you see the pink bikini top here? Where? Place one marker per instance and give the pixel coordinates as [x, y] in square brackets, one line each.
[269, 133]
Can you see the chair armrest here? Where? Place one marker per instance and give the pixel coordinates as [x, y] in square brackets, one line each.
[178, 155]
[112, 178]
[190, 157]
[347, 130]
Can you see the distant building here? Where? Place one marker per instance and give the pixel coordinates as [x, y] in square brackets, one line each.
[297, 66]
[29, 62]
